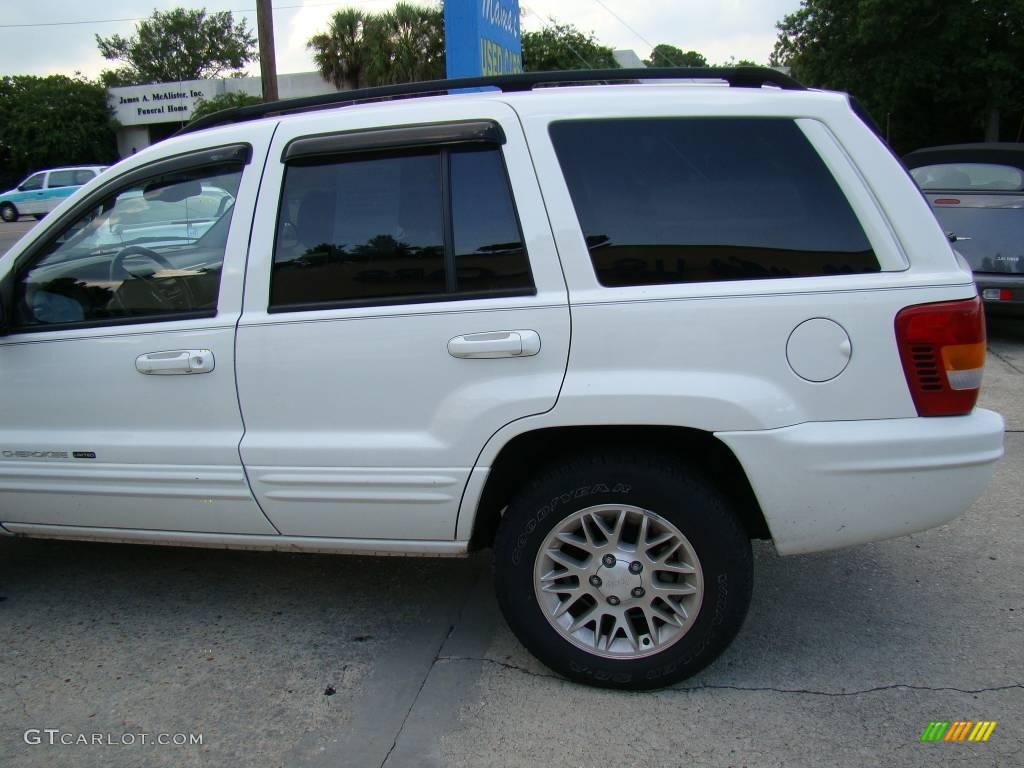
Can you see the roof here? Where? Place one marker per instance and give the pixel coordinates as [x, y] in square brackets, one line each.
[735, 77]
[1004, 153]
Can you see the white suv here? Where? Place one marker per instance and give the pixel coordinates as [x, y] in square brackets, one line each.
[613, 331]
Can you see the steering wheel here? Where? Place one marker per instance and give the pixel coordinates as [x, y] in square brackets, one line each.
[170, 293]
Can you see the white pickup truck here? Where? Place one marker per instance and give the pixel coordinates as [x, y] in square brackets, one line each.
[614, 331]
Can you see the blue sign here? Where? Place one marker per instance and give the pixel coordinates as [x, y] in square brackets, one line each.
[482, 37]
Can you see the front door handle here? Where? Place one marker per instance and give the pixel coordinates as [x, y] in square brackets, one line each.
[179, 361]
[495, 344]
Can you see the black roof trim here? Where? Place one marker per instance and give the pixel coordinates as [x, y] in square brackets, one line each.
[397, 137]
[737, 77]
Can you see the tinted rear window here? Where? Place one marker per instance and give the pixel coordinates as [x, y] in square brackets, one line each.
[979, 177]
[683, 200]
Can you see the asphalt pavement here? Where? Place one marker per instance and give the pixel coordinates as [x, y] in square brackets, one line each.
[312, 660]
[11, 232]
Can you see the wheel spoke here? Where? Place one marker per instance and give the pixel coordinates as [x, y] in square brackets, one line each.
[681, 568]
[658, 541]
[554, 576]
[627, 627]
[585, 522]
[566, 561]
[679, 590]
[664, 556]
[605, 530]
[565, 605]
[652, 628]
[584, 618]
[669, 617]
[641, 538]
[620, 521]
[573, 539]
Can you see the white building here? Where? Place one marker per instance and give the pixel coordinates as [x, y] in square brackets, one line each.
[149, 113]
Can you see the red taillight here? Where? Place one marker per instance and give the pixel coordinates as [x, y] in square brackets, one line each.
[942, 347]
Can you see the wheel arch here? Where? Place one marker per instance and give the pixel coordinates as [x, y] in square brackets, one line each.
[526, 453]
[12, 206]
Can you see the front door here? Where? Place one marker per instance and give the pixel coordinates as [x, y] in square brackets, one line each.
[31, 196]
[402, 305]
[118, 406]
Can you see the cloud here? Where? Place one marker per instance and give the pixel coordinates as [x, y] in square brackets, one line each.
[717, 28]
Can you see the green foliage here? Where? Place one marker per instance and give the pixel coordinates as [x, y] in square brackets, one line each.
[51, 121]
[562, 46]
[665, 55]
[361, 49]
[229, 100]
[934, 71]
[179, 44]
[365, 49]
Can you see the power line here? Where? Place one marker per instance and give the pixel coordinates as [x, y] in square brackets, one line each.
[643, 39]
[554, 21]
[143, 18]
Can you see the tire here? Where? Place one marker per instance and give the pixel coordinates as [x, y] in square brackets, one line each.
[8, 212]
[711, 576]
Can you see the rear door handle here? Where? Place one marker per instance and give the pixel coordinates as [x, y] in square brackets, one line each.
[495, 344]
[176, 362]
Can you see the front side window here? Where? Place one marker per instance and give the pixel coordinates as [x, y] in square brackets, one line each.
[681, 200]
[153, 250]
[379, 229]
[32, 183]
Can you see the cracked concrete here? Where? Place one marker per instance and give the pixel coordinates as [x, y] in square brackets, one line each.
[845, 657]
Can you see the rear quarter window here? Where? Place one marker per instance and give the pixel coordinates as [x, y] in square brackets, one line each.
[682, 200]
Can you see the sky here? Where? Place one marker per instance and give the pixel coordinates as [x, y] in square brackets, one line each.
[720, 29]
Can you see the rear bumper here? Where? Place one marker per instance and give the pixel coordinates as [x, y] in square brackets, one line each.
[1012, 282]
[824, 485]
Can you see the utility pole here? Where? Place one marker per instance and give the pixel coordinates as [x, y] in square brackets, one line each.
[268, 62]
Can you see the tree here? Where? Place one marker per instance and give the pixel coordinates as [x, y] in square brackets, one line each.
[178, 44]
[934, 72]
[204, 107]
[665, 55]
[54, 120]
[407, 45]
[341, 52]
[562, 46]
[365, 49]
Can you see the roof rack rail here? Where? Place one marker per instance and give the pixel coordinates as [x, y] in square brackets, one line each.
[737, 77]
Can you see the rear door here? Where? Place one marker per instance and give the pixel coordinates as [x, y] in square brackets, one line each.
[401, 306]
[61, 184]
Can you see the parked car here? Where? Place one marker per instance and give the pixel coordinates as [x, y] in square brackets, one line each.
[977, 194]
[614, 332]
[41, 192]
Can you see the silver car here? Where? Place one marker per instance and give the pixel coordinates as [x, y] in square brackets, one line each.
[977, 193]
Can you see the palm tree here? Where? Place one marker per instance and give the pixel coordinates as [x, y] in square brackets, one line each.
[340, 53]
[399, 46]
